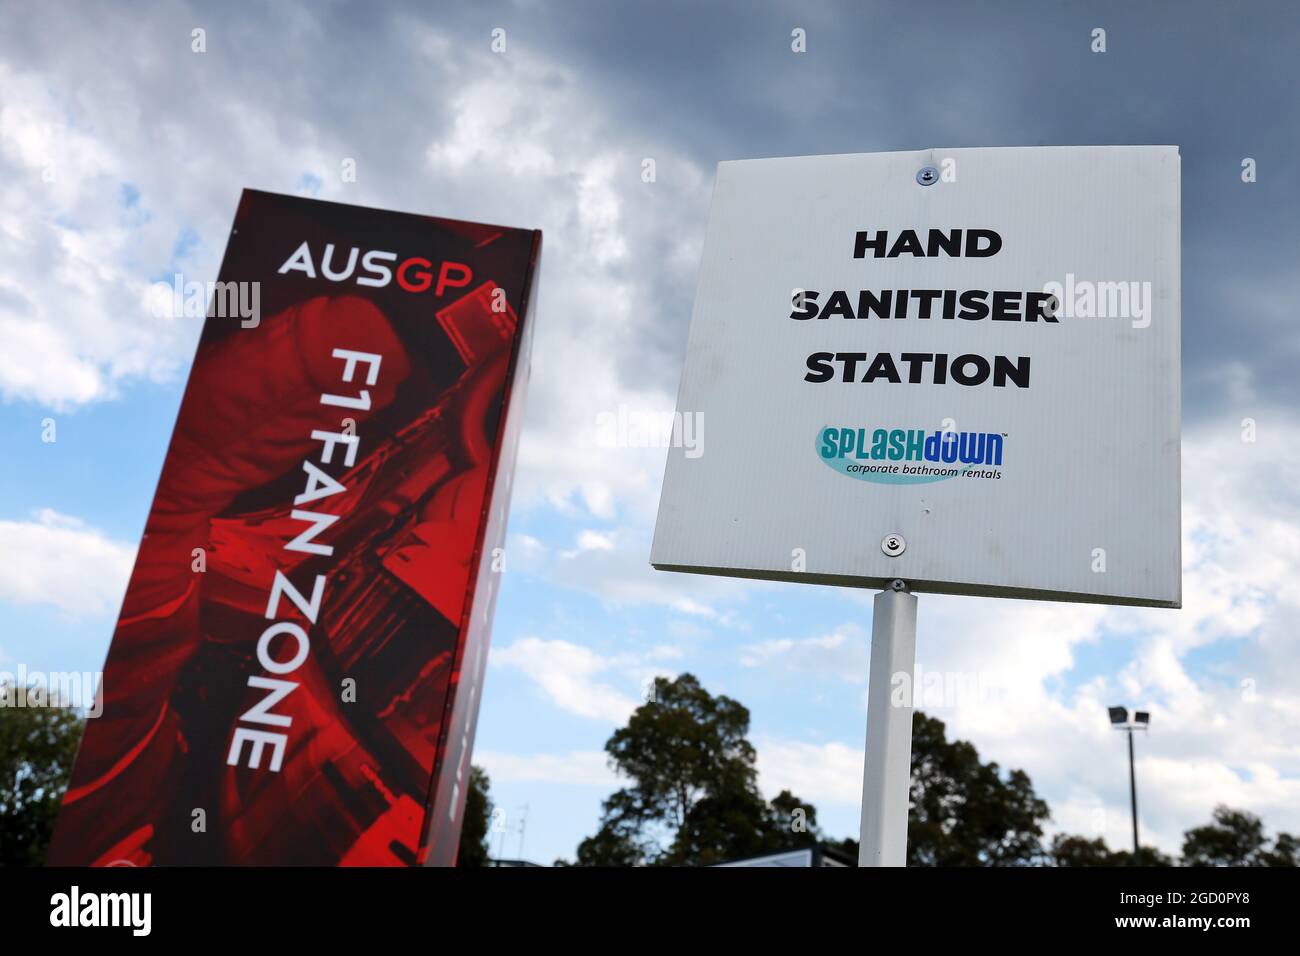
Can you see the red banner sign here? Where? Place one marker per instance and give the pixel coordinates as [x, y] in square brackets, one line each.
[295, 675]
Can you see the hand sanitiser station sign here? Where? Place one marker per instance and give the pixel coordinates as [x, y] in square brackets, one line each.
[945, 370]
[984, 368]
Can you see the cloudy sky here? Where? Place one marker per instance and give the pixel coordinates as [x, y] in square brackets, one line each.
[122, 156]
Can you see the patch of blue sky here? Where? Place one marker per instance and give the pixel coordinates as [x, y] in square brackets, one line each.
[187, 244]
[103, 466]
[309, 184]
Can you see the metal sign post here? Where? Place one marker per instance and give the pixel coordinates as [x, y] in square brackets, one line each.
[887, 772]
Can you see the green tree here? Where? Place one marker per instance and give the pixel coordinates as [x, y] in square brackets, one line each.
[478, 817]
[736, 823]
[847, 847]
[965, 812]
[1145, 856]
[693, 798]
[1236, 838]
[790, 815]
[1069, 850]
[1285, 852]
[38, 742]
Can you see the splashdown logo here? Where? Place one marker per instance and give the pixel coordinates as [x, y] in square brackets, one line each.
[908, 456]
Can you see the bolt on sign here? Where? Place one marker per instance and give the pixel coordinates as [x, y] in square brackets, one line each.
[296, 670]
[959, 368]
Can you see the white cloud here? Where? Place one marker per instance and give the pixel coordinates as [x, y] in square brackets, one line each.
[590, 541]
[827, 773]
[582, 767]
[76, 260]
[595, 541]
[525, 553]
[580, 681]
[59, 561]
[614, 566]
[567, 674]
[844, 653]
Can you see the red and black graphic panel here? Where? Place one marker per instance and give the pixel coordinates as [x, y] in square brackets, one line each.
[283, 685]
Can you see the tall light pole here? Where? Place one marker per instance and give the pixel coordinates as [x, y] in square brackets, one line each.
[1119, 720]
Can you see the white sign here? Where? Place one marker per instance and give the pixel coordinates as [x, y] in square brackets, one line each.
[955, 367]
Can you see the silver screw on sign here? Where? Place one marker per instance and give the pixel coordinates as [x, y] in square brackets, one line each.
[927, 176]
[893, 545]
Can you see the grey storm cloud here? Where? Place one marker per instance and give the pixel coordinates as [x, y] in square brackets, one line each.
[1216, 80]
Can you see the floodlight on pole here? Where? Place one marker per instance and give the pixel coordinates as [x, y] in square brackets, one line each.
[1119, 719]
